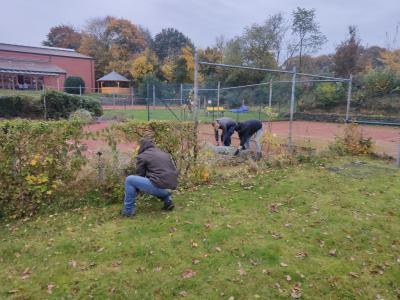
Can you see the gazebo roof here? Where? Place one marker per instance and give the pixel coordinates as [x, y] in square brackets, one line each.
[113, 76]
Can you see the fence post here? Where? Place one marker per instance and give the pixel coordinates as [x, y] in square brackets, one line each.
[154, 96]
[196, 102]
[349, 98]
[398, 156]
[290, 141]
[181, 94]
[44, 103]
[270, 93]
[132, 96]
[218, 93]
[80, 91]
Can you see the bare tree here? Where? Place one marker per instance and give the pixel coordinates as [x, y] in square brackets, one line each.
[306, 30]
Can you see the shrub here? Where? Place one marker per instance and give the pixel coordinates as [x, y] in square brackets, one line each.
[61, 105]
[352, 142]
[379, 83]
[38, 161]
[72, 84]
[176, 138]
[81, 115]
[328, 94]
[20, 106]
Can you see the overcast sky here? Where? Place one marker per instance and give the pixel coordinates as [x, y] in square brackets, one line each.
[27, 22]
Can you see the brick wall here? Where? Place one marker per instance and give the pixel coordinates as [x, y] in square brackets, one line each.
[82, 67]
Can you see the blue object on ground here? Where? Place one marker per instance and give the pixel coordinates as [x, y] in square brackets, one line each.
[241, 109]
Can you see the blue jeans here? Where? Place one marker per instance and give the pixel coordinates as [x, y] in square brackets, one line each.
[133, 184]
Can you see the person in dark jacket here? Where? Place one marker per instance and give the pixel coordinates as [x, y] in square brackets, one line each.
[156, 174]
[246, 131]
[227, 125]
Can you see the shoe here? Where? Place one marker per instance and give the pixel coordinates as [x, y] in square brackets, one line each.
[168, 205]
[127, 215]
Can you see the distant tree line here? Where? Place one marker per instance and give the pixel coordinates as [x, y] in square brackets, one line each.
[278, 42]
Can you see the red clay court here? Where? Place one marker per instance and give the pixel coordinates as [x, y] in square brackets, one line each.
[318, 134]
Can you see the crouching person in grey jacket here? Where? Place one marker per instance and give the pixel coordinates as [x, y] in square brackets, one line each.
[156, 174]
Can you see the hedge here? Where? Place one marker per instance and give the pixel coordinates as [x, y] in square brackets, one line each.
[38, 161]
[41, 162]
[58, 105]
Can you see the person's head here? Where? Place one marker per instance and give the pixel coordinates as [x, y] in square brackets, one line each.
[215, 124]
[238, 126]
[145, 143]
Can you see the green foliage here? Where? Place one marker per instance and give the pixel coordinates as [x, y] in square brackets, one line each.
[61, 105]
[174, 137]
[20, 106]
[169, 42]
[82, 115]
[352, 142]
[328, 94]
[72, 84]
[380, 82]
[38, 160]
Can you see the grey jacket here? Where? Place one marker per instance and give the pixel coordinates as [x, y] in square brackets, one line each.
[156, 165]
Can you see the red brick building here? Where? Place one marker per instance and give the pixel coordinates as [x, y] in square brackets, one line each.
[25, 67]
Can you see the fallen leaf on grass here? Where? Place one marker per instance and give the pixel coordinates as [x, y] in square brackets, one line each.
[242, 272]
[189, 273]
[195, 261]
[296, 291]
[13, 291]
[50, 288]
[26, 273]
[208, 226]
[183, 293]
[100, 249]
[17, 254]
[283, 264]
[218, 249]
[231, 298]
[301, 255]
[158, 269]
[354, 274]
[194, 245]
[321, 243]
[333, 252]
[72, 263]
[276, 235]
[288, 278]
[274, 207]
[172, 229]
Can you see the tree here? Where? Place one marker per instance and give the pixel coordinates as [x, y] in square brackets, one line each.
[123, 34]
[167, 69]
[95, 43]
[391, 60]
[113, 43]
[145, 63]
[262, 43]
[169, 43]
[307, 33]
[74, 85]
[347, 59]
[63, 36]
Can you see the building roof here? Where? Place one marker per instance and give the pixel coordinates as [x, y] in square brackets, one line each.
[113, 76]
[36, 67]
[43, 50]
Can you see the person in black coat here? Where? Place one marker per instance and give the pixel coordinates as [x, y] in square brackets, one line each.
[246, 131]
[227, 125]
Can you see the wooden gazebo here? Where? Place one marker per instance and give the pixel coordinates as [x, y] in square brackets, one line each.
[114, 83]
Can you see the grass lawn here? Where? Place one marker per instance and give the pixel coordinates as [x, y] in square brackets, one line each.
[331, 227]
[165, 114]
